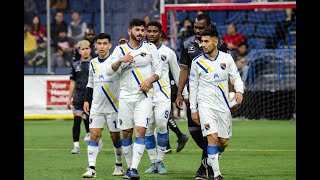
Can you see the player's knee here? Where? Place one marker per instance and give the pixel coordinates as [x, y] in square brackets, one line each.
[223, 142]
[95, 136]
[115, 136]
[162, 127]
[140, 132]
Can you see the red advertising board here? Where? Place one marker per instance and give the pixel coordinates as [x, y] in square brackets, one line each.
[57, 92]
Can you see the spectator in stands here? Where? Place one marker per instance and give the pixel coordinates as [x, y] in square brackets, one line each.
[186, 30]
[40, 56]
[88, 35]
[57, 58]
[76, 28]
[57, 24]
[242, 50]
[64, 43]
[37, 30]
[243, 68]
[233, 38]
[30, 44]
[30, 9]
[147, 19]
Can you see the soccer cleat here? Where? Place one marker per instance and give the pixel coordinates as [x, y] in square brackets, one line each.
[161, 168]
[75, 150]
[218, 178]
[201, 174]
[181, 142]
[127, 175]
[118, 171]
[100, 144]
[90, 173]
[210, 172]
[133, 174]
[168, 151]
[87, 137]
[152, 168]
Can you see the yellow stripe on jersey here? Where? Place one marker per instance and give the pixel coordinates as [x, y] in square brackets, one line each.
[95, 66]
[114, 101]
[125, 49]
[205, 65]
[140, 80]
[164, 88]
[222, 87]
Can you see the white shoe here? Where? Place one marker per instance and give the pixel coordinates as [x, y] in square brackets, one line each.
[75, 150]
[118, 171]
[90, 173]
[100, 144]
[87, 137]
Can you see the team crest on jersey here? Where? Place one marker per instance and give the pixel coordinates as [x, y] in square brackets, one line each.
[120, 122]
[101, 76]
[223, 66]
[207, 126]
[77, 68]
[163, 57]
[191, 49]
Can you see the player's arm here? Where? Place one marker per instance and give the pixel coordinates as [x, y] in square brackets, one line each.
[116, 60]
[183, 77]
[156, 65]
[194, 85]
[235, 79]
[71, 87]
[175, 71]
[89, 90]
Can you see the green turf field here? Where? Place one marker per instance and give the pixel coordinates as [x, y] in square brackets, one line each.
[258, 150]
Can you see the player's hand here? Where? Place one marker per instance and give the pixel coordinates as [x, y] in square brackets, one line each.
[179, 101]
[238, 97]
[127, 58]
[69, 104]
[195, 118]
[122, 41]
[145, 85]
[86, 107]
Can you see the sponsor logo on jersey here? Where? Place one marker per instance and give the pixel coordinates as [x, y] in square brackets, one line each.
[216, 76]
[191, 49]
[101, 76]
[223, 66]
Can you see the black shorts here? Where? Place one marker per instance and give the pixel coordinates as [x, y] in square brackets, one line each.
[77, 104]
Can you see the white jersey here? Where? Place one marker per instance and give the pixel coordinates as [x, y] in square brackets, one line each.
[105, 88]
[162, 87]
[146, 63]
[208, 81]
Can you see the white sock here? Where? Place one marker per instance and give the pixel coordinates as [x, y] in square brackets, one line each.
[138, 149]
[92, 152]
[76, 144]
[127, 151]
[152, 155]
[213, 159]
[118, 154]
[161, 153]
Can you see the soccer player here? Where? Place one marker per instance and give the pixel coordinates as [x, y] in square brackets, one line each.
[139, 65]
[190, 49]
[77, 89]
[161, 101]
[103, 91]
[209, 95]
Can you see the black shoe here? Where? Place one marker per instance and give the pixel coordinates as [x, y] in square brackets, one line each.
[168, 151]
[134, 174]
[181, 142]
[127, 175]
[201, 174]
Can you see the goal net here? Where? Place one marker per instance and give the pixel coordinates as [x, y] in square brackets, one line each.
[269, 31]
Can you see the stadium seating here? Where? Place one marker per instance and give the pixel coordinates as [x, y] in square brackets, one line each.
[276, 16]
[246, 29]
[256, 43]
[257, 16]
[219, 17]
[237, 17]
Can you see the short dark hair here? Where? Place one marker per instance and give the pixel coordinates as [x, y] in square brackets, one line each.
[103, 36]
[155, 23]
[210, 32]
[204, 17]
[136, 22]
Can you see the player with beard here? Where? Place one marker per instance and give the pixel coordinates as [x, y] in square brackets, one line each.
[139, 66]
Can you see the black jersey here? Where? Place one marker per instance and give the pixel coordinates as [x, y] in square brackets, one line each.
[79, 73]
[190, 49]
